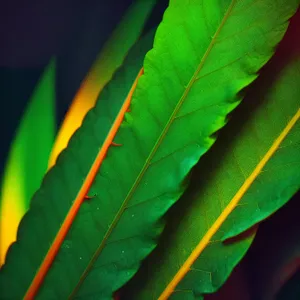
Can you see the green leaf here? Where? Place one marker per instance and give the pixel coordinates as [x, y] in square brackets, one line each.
[250, 173]
[59, 188]
[190, 84]
[27, 161]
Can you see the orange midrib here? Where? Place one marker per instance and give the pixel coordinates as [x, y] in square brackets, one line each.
[227, 211]
[144, 168]
[58, 240]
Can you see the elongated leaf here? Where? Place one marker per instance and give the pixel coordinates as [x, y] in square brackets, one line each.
[174, 112]
[109, 60]
[252, 172]
[27, 156]
[61, 185]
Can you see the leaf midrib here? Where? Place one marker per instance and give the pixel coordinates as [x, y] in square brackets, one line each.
[153, 151]
[72, 213]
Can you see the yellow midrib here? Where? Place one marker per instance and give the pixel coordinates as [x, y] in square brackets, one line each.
[185, 268]
[153, 151]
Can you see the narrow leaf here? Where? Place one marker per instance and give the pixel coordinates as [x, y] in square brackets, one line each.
[251, 172]
[109, 60]
[62, 186]
[174, 112]
[29, 154]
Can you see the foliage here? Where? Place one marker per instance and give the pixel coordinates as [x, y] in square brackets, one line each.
[126, 172]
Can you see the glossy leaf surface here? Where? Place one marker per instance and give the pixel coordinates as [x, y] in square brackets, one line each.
[190, 83]
[252, 171]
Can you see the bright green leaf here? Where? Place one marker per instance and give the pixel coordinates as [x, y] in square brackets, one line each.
[28, 158]
[201, 237]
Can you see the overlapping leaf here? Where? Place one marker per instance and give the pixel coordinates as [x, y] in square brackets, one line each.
[190, 84]
[234, 196]
[26, 155]
[60, 186]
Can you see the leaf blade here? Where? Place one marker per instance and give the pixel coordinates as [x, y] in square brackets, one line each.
[209, 269]
[228, 210]
[15, 184]
[147, 159]
[56, 182]
[162, 80]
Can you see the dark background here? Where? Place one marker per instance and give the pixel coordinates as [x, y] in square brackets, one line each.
[33, 31]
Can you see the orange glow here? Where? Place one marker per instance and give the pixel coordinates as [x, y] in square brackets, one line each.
[84, 100]
[110, 59]
[11, 211]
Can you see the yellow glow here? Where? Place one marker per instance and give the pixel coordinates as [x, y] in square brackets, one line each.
[11, 211]
[21, 176]
[109, 60]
